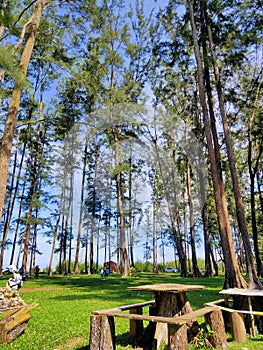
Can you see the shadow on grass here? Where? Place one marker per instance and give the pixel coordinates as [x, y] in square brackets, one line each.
[123, 340]
[257, 338]
[117, 287]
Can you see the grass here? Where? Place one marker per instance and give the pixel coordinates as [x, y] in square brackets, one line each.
[62, 319]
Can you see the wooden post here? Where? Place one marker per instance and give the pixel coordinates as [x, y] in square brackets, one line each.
[238, 327]
[226, 299]
[252, 319]
[216, 322]
[136, 326]
[177, 337]
[102, 332]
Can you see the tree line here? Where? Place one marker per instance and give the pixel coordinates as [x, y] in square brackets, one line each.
[121, 124]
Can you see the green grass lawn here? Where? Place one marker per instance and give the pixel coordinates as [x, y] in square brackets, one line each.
[62, 319]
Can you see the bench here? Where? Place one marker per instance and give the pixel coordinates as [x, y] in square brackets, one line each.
[102, 333]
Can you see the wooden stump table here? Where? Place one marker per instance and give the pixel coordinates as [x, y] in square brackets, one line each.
[170, 298]
[170, 301]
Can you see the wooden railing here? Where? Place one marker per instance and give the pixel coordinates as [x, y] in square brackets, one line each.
[235, 318]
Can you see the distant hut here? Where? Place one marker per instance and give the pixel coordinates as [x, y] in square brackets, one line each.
[111, 266]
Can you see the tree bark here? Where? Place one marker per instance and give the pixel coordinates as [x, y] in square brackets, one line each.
[253, 170]
[9, 130]
[179, 244]
[196, 271]
[93, 208]
[205, 221]
[131, 210]
[53, 245]
[123, 253]
[76, 265]
[71, 207]
[251, 271]
[124, 261]
[233, 277]
[11, 204]
[17, 224]
[4, 6]
[154, 238]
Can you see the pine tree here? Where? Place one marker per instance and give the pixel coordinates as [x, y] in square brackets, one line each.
[8, 135]
[233, 275]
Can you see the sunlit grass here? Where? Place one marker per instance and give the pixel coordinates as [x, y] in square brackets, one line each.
[62, 319]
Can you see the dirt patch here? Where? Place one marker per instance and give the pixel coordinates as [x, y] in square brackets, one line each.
[71, 344]
[28, 290]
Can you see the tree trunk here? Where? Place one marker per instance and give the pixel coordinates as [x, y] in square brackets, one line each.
[71, 206]
[64, 244]
[179, 244]
[11, 202]
[252, 274]
[34, 182]
[154, 240]
[123, 257]
[86, 255]
[27, 239]
[131, 210]
[259, 182]
[9, 130]
[97, 250]
[196, 271]
[124, 261]
[233, 277]
[107, 248]
[205, 221]
[252, 174]
[76, 266]
[4, 6]
[55, 234]
[210, 102]
[17, 224]
[93, 209]
[215, 264]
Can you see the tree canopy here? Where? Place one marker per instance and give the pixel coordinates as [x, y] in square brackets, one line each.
[124, 127]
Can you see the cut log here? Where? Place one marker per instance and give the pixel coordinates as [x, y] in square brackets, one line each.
[216, 322]
[177, 336]
[102, 332]
[14, 323]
